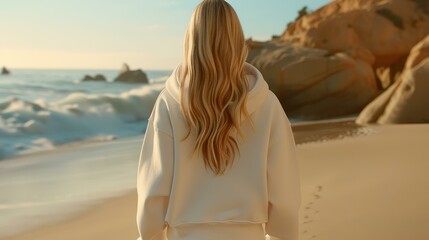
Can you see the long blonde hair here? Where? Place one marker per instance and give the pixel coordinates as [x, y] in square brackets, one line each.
[214, 64]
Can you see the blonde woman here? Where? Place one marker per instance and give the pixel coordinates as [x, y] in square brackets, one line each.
[218, 157]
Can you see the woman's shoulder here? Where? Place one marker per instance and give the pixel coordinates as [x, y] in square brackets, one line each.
[160, 114]
[273, 108]
[164, 99]
[272, 101]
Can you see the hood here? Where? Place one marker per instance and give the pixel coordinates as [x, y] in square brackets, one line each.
[256, 94]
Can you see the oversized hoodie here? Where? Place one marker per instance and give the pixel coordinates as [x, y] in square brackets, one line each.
[261, 187]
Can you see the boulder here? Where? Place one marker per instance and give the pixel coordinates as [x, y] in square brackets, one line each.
[314, 83]
[97, 78]
[5, 71]
[131, 76]
[406, 101]
[385, 29]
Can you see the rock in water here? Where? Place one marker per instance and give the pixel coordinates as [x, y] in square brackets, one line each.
[100, 77]
[131, 76]
[97, 78]
[313, 83]
[87, 78]
[125, 68]
[5, 71]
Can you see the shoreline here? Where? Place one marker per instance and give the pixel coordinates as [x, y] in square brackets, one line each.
[351, 180]
[111, 214]
[347, 123]
[68, 146]
[106, 169]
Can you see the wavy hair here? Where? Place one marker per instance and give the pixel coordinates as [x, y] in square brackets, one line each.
[214, 66]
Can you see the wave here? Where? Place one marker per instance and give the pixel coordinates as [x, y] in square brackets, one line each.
[28, 126]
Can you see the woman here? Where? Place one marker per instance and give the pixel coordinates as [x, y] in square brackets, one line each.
[218, 157]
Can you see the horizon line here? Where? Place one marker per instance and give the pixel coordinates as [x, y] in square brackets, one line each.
[86, 69]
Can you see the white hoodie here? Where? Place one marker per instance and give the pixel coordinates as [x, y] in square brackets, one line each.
[262, 186]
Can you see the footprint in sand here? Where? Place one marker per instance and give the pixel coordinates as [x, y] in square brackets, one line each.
[310, 209]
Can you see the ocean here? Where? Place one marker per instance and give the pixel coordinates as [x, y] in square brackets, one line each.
[42, 109]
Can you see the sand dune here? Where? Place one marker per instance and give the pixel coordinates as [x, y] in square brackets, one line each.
[371, 186]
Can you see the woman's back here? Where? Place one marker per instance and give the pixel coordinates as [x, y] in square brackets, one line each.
[264, 174]
[218, 158]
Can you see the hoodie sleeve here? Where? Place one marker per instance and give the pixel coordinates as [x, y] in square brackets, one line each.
[154, 176]
[284, 190]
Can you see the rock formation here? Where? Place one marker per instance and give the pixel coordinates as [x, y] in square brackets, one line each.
[385, 29]
[406, 101]
[97, 78]
[131, 76]
[418, 53]
[314, 83]
[125, 68]
[5, 71]
[335, 60]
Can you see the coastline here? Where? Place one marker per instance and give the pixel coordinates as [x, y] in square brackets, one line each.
[358, 182]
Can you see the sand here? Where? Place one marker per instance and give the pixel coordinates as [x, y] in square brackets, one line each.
[366, 183]
[370, 187]
[113, 219]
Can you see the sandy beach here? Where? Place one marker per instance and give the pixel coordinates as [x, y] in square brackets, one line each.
[357, 183]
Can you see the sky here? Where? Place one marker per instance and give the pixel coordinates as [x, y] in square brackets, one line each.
[104, 34]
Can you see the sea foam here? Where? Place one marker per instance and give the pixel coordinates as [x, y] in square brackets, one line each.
[28, 126]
